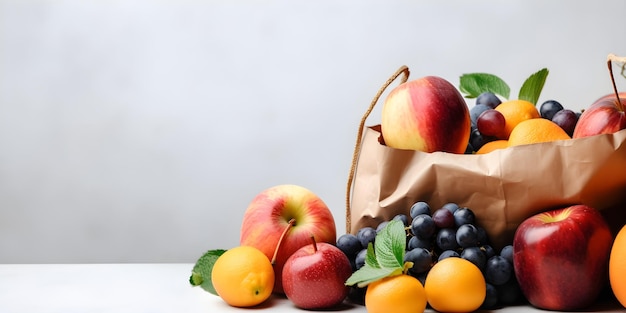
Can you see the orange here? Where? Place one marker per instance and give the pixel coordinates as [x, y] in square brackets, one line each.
[536, 130]
[617, 266]
[493, 145]
[455, 285]
[243, 276]
[514, 112]
[398, 294]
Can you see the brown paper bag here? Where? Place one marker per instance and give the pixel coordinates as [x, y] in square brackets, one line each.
[503, 187]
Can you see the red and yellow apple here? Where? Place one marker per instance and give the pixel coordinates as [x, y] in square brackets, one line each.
[427, 114]
[605, 116]
[281, 220]
[314, 276]
[560, 257]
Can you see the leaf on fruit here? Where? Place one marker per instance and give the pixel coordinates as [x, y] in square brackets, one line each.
[367, 274]
[531, 89]
[474, 84]
[389, 245]
[384, 258]
[370, 257]
[201, 272]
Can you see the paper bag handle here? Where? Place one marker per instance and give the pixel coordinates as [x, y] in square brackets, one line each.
[357, 147]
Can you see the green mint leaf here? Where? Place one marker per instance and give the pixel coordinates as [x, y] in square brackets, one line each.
[474, 84]
[531, 89]
[384, 258]
[367, 274]
[370, 257]
[201, 272]
[389, 245]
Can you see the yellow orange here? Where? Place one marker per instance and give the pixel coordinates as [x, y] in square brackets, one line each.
[617, 267]
[455, 285]
[243, 276]
[493, 145]
[397, 294]
[514, 112]
[536, 130]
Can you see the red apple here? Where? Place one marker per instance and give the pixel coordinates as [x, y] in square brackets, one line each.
[561, 256]
[281, 220]
[427, 114]
[605, 116]
[314, 276]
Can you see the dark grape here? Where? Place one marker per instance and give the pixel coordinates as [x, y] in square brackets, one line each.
[418, 208]
[482, 236]
[349, 244]
[491, 123]
[567, 120]
[359, 260]
[416, 242]
[446, 239]
[476, 256]
[464, 216]
[509, 293]
[477, 140]
[489, 99]
[498, 270]
[422, 260]
[475, 112]
[423, 226]
[491, 298]
[381, 226]
[357, 294]
[448, 254]
[403, 218]
[488, 250]
[549, 108]
[507, 253]
[366, 235]
[450, 206]
[443, 218]
[467, 236]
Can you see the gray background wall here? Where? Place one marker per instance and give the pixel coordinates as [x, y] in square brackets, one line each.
[139, 131]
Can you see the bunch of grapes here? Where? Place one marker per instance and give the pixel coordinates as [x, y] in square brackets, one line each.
[450, 231]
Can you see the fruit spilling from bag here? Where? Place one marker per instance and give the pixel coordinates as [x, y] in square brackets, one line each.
[448, 208]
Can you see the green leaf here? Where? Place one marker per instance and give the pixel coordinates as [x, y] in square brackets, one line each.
[474, 84]
[389, 245]
[370, 257]
[531, 89]
[201, 272]
[384, 258]
[367, 274]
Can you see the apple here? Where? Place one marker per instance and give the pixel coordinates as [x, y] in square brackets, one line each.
[427, 114]
[605, 116]
[314, 276]
[560, 257]
[281, 220]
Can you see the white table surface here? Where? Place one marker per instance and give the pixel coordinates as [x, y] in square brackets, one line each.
[133, 288]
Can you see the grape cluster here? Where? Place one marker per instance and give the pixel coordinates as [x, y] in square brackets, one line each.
[450, 231]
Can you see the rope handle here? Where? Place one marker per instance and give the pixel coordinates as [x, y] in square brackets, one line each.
[357, 147]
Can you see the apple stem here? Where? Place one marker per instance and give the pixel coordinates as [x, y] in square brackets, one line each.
[280, 240]
[314, 243]
[612, 57]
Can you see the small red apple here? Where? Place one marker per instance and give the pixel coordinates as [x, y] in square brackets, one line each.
[314, 276]
[605, 116]
[560, 257]
[427, 114]
[281, 220]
